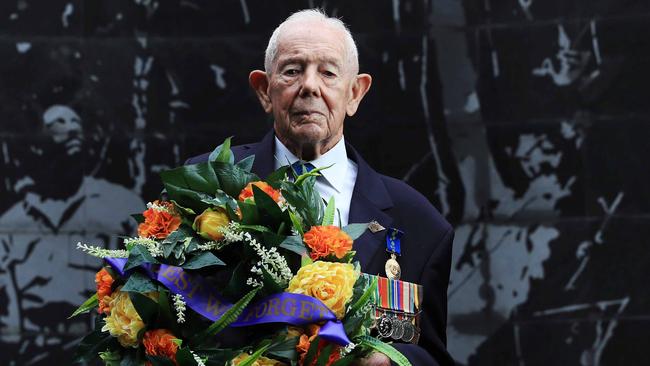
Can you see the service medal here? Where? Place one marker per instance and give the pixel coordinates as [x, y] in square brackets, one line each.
[398, 329]
[392, 268]
[384, 326]
[409, 331]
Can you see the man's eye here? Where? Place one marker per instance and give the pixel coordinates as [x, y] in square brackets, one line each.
[329, 73]
[291, 72]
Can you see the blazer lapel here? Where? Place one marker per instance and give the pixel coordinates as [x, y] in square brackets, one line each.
[370, 201]
[264, 155]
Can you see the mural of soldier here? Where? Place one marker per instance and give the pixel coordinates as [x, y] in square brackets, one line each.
[43, 278]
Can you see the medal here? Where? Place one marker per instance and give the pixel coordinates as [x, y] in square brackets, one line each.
[396, 309]
[393, 246]
[398, 329]
[409, 330]
[384, 326]
[393, 270]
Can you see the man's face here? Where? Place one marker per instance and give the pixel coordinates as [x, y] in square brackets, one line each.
[64, 125]
[310, 84]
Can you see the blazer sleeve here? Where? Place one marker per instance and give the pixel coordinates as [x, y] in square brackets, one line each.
[432, 349]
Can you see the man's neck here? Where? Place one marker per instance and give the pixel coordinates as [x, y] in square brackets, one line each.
[309, 152]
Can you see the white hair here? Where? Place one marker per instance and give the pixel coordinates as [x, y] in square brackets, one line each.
[311, 14]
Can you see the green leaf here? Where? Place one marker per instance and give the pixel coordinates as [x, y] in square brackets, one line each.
[222, 153]
[184, 357]
[285, 349]
[145, 306]
[249, 213]
[185, 210]
[139, 218]
[270, 284]
[277, 176]
[328, 218]
[221, 199]
[311, 352]
[232, 179]
[257, 354]
[297, 225]
[294, 243]
[267, 207]
[229, 316]
[160, 361]
[139, 283]
[305, 260]
[165, 310]
[137, 256]
[204, 259]
[239, 276]
[345, 361]
[258, 228]
[384, 348]
[87, 306]
[355, 230]
[312, 174]
[130, 358]
[178, 237]
[246, 163]
[306, 200]
[93, 343]
[324, 355]
[367, 294]
[197, 177]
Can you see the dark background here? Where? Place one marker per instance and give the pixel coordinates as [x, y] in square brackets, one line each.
[525, 122]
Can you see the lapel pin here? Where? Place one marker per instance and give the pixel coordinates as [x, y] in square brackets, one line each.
[375, 227]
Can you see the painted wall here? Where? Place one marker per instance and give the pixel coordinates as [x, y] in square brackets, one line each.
[524, 122]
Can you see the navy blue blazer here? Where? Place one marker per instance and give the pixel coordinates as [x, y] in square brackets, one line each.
[426, 243]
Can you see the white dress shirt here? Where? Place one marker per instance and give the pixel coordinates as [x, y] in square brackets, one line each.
[336, 181]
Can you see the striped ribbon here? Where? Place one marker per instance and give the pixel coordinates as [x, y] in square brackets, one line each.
[397, 295]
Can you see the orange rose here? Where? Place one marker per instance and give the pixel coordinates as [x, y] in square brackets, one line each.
[160, 342]
[160, 220]
[104, 283]
[247, 193]
[327, 240]
[305, 342]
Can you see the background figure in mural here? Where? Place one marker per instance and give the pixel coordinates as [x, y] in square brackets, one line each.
[42, 275]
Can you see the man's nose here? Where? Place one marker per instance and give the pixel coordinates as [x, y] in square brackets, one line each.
[310, 84]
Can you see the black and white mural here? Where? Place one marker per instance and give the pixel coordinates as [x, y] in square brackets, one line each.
[525, 122]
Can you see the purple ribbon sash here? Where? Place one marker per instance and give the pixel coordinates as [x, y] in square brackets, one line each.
[295, 309]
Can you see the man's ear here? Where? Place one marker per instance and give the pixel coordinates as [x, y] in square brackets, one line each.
[260, 83]
[360, 87]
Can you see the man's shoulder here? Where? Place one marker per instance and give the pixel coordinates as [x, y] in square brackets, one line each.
[413, 203]
[240, 152]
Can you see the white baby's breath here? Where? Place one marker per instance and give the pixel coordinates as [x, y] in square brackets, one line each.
[100, 252]
[179, 306]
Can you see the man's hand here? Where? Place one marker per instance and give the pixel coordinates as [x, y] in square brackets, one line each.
[374, 359]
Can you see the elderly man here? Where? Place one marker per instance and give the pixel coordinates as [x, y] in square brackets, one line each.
[310, 84]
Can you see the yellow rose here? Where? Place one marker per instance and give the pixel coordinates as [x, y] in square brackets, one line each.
[210, 222]
[330, 282]
[262, 361]
[123, 321]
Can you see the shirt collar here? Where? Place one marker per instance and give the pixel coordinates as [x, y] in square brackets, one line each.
[337, 157]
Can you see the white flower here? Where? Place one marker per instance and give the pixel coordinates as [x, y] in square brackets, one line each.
[158, 207]
[153, 247]
[199, 360]
[347, 349]
[179, 305]
[101, 252]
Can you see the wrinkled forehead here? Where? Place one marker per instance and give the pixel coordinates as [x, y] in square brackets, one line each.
[314, 41]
